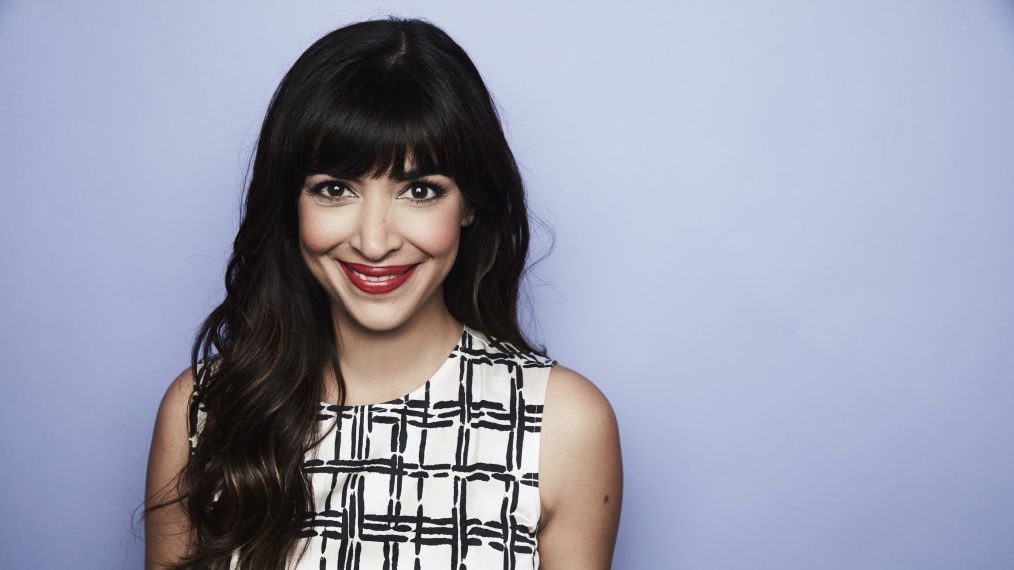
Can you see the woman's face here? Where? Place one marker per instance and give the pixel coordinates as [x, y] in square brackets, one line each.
[381, 223]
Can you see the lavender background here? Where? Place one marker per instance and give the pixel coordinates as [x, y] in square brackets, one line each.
[783, 250]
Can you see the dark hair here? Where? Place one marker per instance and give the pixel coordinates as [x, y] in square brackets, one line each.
[359, 101]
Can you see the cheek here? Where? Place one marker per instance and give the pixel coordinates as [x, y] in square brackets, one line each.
[439, 234]
[434, 232]
[317, 232]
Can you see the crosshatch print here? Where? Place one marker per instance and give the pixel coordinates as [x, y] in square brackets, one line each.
[445, 477]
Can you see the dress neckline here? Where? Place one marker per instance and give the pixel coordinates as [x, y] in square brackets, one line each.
[419, 392]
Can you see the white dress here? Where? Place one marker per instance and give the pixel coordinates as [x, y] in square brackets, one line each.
[443, 478]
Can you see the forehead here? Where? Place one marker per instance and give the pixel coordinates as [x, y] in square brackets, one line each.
[408, 172]
[396, 160]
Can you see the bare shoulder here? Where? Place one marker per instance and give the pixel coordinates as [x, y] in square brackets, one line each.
[580, 473]
[171, 421]
[178, 393]
[170, 442]
[578, 424]
[166, 529]
[575, 398]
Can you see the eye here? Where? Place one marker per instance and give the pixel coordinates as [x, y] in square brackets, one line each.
[328, 189]
[418, 191]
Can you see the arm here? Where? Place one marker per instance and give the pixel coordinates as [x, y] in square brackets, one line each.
[580, 475]
[166, 529]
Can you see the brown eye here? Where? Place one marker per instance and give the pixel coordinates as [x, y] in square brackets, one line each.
[419, 191]
[329, 189]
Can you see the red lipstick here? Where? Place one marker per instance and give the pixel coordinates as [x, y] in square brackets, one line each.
[357, 271]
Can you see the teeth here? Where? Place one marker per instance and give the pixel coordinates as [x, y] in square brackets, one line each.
[376, 279]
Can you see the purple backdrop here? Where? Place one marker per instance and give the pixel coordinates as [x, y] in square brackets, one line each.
[783, 251]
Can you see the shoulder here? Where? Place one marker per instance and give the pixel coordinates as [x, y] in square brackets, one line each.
[171, 427]
[576, 401]
[165, 521]
[575, 411]
[177, 418]
[580, 434]
[170, 442]
[181, 387]
[580, 473]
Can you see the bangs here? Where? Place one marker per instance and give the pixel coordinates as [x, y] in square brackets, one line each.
[382, 122]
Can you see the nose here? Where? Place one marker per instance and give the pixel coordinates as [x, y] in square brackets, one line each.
[375, 234]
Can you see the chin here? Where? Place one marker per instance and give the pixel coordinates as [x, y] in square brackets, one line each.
[376, 315]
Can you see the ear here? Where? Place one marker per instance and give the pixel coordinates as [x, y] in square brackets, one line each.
[469, 216]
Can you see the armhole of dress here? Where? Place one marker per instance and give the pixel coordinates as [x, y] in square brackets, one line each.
[536, 384]
[196, 411]
[543, 387]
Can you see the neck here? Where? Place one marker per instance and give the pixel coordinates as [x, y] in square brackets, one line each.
[378, 365]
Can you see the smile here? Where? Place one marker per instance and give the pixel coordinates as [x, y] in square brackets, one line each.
[377, 280]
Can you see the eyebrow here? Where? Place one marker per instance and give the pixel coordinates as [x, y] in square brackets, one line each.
[407, 175]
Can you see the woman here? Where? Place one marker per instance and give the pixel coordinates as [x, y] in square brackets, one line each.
[364, 397]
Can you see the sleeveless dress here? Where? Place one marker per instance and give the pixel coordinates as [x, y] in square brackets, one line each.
[443, 478]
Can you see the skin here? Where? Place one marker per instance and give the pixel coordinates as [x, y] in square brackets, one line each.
[385, 339]
[167, 531]
[580, 475]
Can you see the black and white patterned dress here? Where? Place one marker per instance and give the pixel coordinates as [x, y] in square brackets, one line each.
[443, 478]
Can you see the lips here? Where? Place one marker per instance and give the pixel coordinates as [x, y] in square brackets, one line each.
[363, 276]
[383, 271]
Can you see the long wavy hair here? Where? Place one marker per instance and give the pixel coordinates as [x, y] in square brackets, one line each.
[357, 102]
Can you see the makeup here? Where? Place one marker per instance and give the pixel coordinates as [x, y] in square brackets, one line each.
[377, 280]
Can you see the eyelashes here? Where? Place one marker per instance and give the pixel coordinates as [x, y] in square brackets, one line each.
[337, 188]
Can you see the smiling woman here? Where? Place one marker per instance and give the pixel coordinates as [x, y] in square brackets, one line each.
[366, 240]
[364, 397]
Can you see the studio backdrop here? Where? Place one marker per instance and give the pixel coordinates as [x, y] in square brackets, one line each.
[776, 235]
